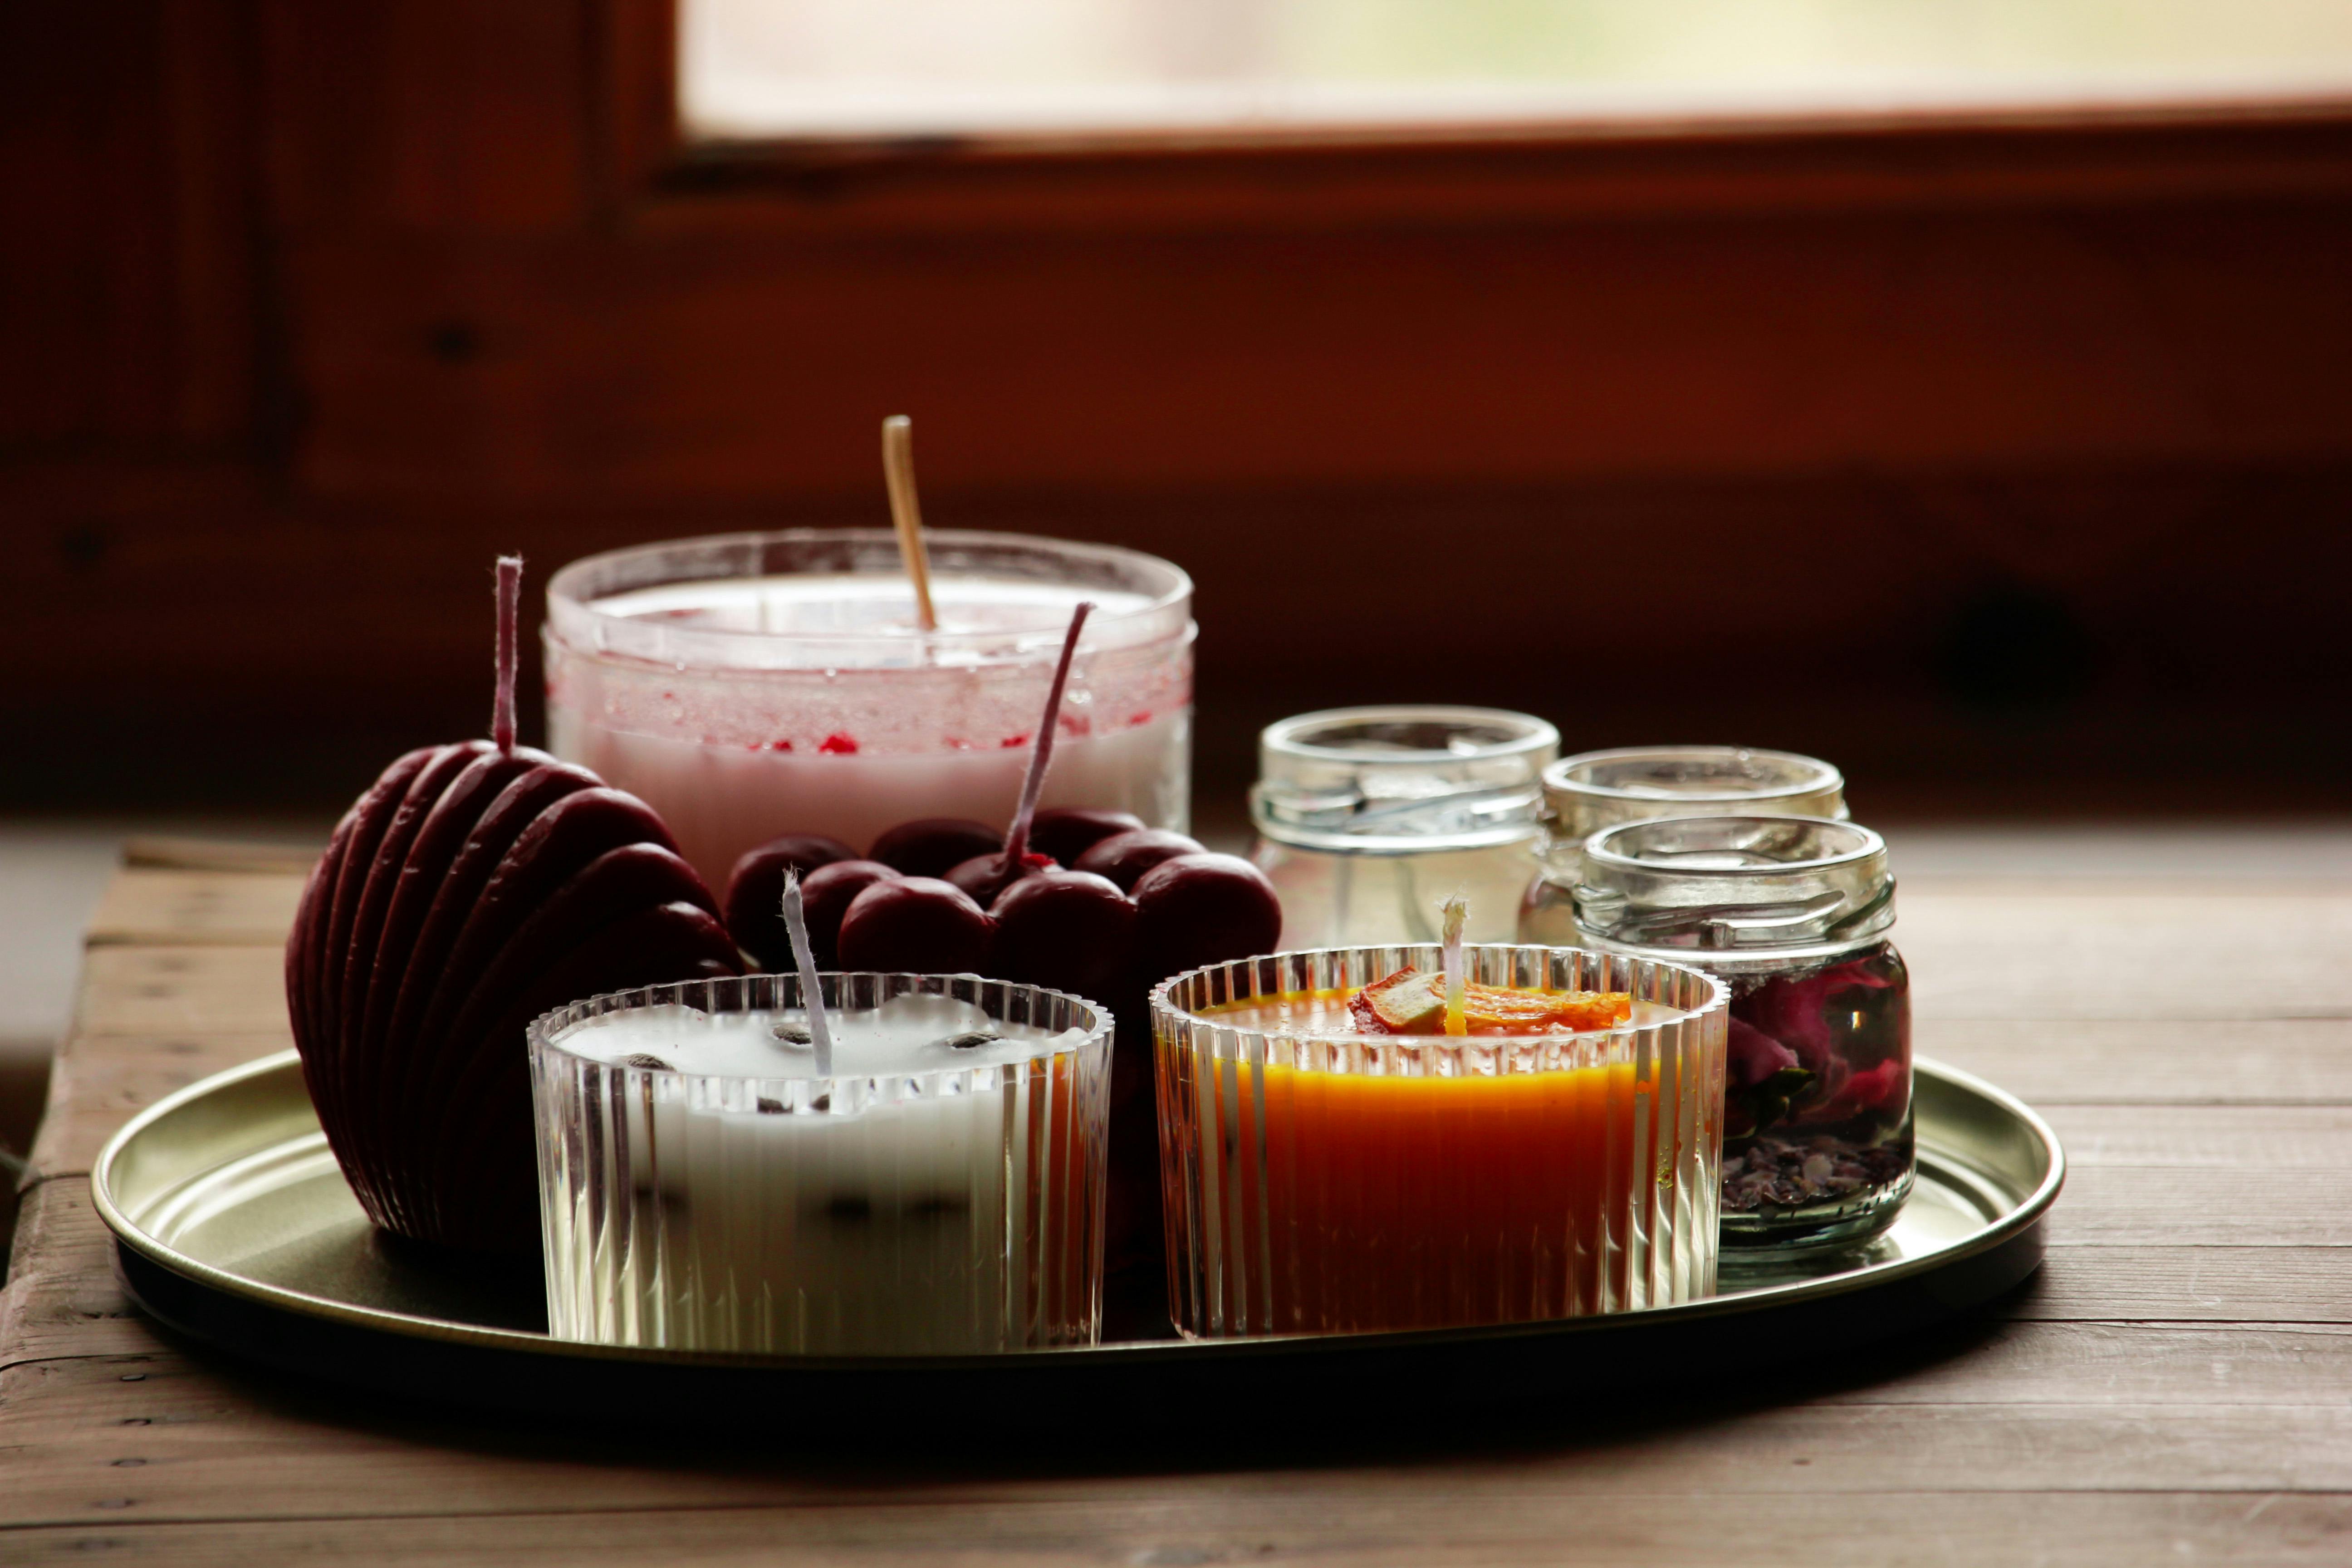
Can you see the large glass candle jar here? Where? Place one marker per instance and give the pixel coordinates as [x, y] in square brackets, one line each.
[757, 684]
[936, 1187]
[1321, 1180]
[1793, 914]
[1369, 818]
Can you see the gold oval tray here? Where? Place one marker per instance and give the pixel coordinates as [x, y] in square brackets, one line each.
[233, 1225]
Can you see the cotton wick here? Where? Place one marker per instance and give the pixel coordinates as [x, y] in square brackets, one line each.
[805, 960]
[907, 513]
[1041, 751]
[1457, 912]
[502, 700]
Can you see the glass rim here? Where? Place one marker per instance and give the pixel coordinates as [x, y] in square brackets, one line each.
[1809, 775]
[1162, 1003]
[574, 622]
[1603, 845]
[1531, 733]
[1311, 795]
[542, 1035]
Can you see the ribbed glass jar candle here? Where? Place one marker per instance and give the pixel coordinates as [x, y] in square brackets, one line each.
[1323, 1181]
[751, 685]
[948, 1211]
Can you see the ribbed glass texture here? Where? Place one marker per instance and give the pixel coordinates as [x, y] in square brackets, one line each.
[949, 1212]
[1323, 1183]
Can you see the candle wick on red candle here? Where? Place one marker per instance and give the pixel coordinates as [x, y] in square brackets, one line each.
[502, 701]
[1016, 840]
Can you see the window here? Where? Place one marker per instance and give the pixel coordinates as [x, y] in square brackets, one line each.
[771, 69]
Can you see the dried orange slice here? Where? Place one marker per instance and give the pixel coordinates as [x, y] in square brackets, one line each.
[1412, 1003]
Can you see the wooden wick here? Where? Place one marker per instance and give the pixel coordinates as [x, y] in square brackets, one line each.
[907, 512]
[805, 960]
[1041, 750]
[1457, 913]
[502, 701]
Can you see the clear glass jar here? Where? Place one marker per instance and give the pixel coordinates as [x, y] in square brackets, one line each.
[1593, 790]
[1793, 914]
[1369, 818]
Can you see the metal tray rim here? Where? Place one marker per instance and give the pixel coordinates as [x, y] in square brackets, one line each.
[2024, 1218]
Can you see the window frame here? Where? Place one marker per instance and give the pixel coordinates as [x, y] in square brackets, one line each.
[2029, 153]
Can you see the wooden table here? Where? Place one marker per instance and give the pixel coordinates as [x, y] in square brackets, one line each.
[2176, 1386]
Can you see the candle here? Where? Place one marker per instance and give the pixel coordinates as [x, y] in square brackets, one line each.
[473, 886]
[760, 684]
[1545, 1163]
[705, 1186]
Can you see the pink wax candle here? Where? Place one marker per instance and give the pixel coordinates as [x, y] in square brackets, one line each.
[756, 684]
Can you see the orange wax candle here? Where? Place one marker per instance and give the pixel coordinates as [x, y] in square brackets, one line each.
[1336, 1180]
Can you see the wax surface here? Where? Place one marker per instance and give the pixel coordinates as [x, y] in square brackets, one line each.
[1324, 1016]
[904, 1035]
[873, 610]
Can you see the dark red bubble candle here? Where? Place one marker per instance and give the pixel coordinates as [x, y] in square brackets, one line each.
[473, 886]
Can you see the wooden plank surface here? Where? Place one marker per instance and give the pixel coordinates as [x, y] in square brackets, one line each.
[173, 905]
[2152, 1062]
[100, 1082]
[2175, 1385]
[1932, 1529]
[2057, 953]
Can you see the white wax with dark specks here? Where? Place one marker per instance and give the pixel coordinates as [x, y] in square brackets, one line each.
[912, 1034]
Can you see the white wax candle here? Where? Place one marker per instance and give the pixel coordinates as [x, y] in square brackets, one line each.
[748, 706]
[906, 1204]
[905, 1035]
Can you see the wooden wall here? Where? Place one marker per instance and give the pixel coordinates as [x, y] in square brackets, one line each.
[2008, 462]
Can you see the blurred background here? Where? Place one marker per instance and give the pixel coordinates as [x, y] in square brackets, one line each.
[1956, 389]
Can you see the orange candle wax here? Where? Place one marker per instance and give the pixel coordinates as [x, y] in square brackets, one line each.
[1414, 1180]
